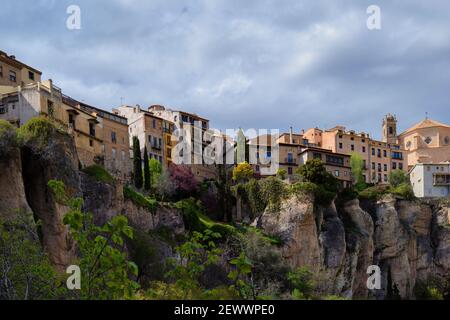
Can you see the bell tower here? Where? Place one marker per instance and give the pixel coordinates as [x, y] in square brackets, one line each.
[390, 129]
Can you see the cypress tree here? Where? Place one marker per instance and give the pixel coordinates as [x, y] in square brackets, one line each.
[147, 176]
[137, 162]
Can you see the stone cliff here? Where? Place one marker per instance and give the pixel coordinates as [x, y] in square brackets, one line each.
[408, 240]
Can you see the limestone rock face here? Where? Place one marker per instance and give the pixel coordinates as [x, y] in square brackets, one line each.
[295, 225]
[408, 240]
[144, 220]
[12, 189]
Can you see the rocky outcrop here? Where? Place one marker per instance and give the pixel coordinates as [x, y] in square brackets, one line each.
[403, 238]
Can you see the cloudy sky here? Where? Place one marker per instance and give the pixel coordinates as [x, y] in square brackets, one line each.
[251, 64]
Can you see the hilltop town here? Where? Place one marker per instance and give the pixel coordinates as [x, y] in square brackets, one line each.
[106, 138]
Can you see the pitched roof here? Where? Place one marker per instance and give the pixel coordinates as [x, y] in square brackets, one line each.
[426, 123]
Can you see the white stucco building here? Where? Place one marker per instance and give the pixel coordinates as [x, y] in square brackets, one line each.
[431, 180]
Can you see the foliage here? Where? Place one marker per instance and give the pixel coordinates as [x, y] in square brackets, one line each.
[242, 172]
[314, 171]
[281, 174]
[36, 133]
[373, 193]
[357, 164]
[255, 196]
[194, 256]
[99, 173]
[302, 283]
[27, 273]
[242, 277]
[398, 177]
[156, 171]
[139, 199]
[165, 187]
[137, 163]
[147, 176]
[403, 190]
[8, 137]
[184, 180]
[273, 191]
[105, 269]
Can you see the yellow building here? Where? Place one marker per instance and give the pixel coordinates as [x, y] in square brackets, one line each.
[15, 73]
[426, 142]
[115, 154]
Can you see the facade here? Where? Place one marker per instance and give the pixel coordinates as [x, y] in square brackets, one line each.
[115, 153]
[430, 180]
[426, 142]
[180, 119]
[15, 73]
[336, 164]
[379, 157]
[147, 127]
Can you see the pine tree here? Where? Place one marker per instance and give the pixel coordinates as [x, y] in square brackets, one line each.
[147, 176]
[137, 161]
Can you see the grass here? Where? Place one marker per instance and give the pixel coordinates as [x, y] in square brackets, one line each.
[139, 199]
[98, 173]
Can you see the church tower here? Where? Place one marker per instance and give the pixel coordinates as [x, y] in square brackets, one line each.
[390, 129]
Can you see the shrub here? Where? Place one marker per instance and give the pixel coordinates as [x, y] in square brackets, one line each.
[398, 177]
[303, 187]
[139, 199]
[36, 133]
[373, 193]
[8, 137]
[403, 190]
[255, 196]
[242, 172]
[273, 191]
[281, 173]
[98, 173]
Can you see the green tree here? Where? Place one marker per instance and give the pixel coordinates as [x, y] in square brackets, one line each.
[137, 163]
[242, 277]
[281, 173]
[357, 164]
[147, 175]
[155, 170]
[242, 172]
[398, 177]
[26, 271]
[105, 270]
[302, 283]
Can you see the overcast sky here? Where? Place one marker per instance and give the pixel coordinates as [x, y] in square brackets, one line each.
[250, 64]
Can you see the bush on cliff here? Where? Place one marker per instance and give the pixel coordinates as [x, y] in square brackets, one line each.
[98, 173]
[8, 137]
[36, 133]
[139, 199]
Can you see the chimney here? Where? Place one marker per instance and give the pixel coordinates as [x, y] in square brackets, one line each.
[290, 135]
[303, 131]
[12, 57]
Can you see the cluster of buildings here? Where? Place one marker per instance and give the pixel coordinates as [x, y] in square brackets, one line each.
[105, 138]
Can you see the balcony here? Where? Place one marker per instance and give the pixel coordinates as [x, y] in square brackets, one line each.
[290, 161]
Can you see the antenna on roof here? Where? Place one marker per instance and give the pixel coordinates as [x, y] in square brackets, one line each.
[426, 115]
[121, 101]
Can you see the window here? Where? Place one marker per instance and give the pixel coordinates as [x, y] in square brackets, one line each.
[400, 166]
[428, 140]
[31, 75]
[384, 153]
[257, 168]
[373, 165]
[352, 147]
[340, 145]
[91, 143]
[290, 170]
[363, 149]
[385, 167]
[394, 165]
[123, 155]
[3, 109]
[160, 142]
[290, 158]
[1, 71]
[335, 160]
[373, 151]
[71, 121]
[149, 139]
[379, 153]
[113, 153]
[385, 178]
[12, 76]
[92, 129]
[317, 155]
[379, 177]
[391, 130]
[113, 137]
[379, 167]
[336, 173]
[154, 124]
